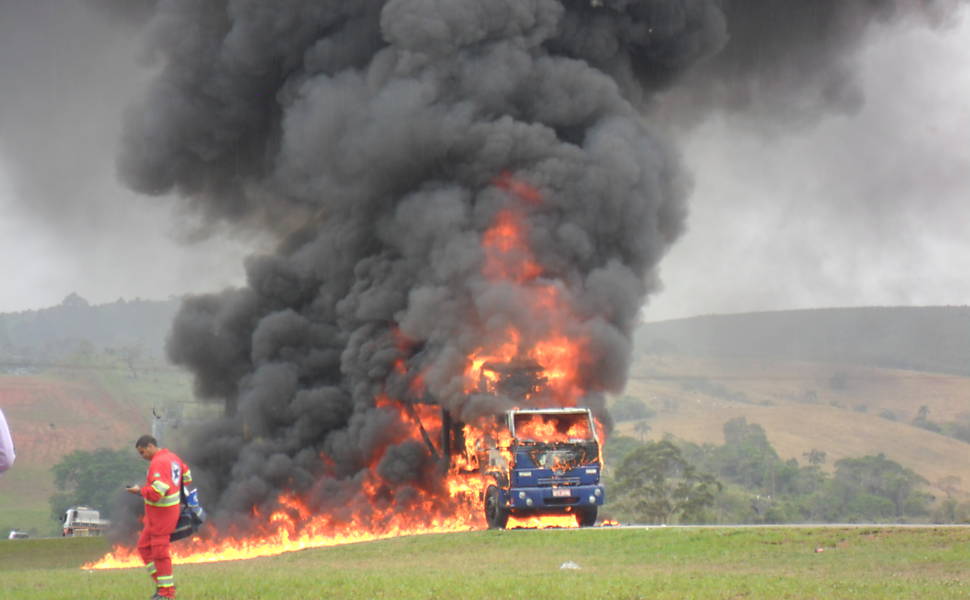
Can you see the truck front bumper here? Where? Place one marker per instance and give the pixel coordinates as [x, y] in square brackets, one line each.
[550, 498]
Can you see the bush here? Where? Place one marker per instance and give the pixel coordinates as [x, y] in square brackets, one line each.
[629, 408]
[94, 478]
[869, 507]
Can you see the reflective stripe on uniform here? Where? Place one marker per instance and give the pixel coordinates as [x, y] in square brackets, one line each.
[170, 500]
[166, 581]
[151, 568]
[160, 486]
[187, 476]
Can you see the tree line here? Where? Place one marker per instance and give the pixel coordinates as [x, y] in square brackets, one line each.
[745, 481]
[664, 481]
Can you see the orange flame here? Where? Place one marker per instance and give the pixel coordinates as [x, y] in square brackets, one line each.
[509, 259]
[507, 254]
[295, 527]
[542, 522]
[541, 429]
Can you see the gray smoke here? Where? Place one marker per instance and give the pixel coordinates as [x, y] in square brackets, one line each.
[790, 62]
[368, 135]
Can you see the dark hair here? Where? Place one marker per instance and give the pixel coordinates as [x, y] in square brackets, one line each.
[146, 441]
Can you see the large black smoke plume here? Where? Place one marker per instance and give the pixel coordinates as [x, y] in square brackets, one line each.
[369, 135]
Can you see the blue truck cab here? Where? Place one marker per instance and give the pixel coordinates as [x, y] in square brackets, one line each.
[549, 464]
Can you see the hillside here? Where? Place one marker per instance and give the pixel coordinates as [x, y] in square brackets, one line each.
[845, 411]
[136, 327]
[917, 338]
[826, 380]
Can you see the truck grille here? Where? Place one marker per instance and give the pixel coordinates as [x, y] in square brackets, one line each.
[558, 481]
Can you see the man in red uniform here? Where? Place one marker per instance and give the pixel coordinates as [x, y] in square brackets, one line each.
[166, 475]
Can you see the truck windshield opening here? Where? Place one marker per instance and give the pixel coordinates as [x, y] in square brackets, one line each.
[551, 428]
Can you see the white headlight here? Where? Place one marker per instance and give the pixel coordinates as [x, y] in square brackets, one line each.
[592, 499]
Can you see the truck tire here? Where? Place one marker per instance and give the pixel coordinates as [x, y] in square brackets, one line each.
[586, 517]
[496, 515]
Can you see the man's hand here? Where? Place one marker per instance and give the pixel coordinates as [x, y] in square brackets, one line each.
[134, 489]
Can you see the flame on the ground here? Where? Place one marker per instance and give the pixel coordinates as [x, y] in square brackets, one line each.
[294, 527]
[542, 522]
[244, 549]
[552, 365]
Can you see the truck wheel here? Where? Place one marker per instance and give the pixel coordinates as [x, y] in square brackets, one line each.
[586, 517]
[496, 515]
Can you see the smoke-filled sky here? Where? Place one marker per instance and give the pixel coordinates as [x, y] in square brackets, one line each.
[863, 204]
[439, 184]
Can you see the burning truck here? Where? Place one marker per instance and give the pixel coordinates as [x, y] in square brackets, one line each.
[538, 466]
[550, 465]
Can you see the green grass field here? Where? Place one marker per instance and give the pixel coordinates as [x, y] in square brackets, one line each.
[657, 563]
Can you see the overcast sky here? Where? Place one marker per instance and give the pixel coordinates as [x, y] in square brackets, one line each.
[866, 209]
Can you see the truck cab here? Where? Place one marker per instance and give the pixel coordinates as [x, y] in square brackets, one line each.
[548, 464]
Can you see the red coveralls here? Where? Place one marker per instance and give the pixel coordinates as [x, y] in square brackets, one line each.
[166, 474]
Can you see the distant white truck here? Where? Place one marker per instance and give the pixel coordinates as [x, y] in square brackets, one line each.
[83, 521]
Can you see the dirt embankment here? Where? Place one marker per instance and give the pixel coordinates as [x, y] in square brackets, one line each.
[50, 418]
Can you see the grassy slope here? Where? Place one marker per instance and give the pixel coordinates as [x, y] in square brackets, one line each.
[616, 564]
[779, 397]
